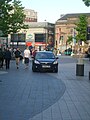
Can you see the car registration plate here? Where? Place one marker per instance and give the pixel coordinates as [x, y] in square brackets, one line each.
[45, 66]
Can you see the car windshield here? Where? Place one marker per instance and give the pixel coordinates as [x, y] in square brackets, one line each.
[42, 55]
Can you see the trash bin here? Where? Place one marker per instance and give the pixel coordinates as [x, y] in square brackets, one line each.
[80, 68]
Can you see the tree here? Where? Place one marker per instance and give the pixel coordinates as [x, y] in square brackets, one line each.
[11, 17]
[69, 40]
[5, 8]
[17, 18]
[81, 28]
[86, 2]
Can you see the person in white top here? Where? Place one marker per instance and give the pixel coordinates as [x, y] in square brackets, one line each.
[26, 57]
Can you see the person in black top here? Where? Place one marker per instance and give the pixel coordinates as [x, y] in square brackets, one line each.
[1, 58]
[17, 57]
[7, 56]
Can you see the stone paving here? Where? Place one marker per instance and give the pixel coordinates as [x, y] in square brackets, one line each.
[25, 95]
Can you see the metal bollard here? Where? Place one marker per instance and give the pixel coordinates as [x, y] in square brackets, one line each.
[89, 75]
[80, 70]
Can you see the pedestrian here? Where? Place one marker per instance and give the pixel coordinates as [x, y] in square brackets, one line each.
[1, 58]
[17, 57]
[7, 56]
[34, 52]
[89, 53]
[26, 57]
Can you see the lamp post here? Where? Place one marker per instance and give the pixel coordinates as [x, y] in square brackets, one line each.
[74, 41]
[45, 32]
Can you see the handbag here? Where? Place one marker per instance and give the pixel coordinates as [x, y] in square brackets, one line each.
[23, 60]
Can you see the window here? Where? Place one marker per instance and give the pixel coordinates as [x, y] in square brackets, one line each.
[20, 37]
[39, 38]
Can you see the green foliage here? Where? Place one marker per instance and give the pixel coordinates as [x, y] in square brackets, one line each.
[11, 17]
[5, 9]
[70, 39]
[81, 27]
[17, 18]
[86, 2]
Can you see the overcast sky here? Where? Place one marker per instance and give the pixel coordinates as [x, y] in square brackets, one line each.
[50, 10]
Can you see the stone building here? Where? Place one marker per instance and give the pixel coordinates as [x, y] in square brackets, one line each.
[64, 27]
[38, 35]
[31, 16]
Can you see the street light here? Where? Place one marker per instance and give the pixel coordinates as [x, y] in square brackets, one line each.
[74, 41]
[45, 32]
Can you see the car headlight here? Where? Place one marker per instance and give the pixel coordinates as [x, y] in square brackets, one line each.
[55, 62]
[36, 62]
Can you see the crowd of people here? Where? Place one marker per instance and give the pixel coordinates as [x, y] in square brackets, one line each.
[7, 54]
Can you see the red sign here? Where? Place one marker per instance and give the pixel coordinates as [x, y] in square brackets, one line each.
[28, 44]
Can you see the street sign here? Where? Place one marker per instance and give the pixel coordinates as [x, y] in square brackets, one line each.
[30, 36]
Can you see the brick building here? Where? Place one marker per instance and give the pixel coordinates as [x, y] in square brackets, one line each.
[64, 27]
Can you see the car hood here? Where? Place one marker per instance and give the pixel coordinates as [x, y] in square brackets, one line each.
[46, 60]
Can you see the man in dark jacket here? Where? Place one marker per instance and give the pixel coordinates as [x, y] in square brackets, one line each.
[1, 58]
[7, 56]
[17, 57]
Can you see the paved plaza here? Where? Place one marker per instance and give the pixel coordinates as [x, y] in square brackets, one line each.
[25, 95]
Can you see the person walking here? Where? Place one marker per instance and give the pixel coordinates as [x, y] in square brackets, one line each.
[34, 52]
[17, 57]
[89, 52]
[7, 56]
[26, 57]
[1, 58]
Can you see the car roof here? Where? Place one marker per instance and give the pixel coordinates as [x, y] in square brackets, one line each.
[45, 51]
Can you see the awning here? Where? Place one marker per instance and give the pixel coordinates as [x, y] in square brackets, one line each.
[39, 43]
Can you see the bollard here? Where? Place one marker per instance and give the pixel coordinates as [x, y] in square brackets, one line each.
[80, 67]
[89, 75]
[80, 70]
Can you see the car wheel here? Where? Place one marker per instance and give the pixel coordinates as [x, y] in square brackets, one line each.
[56, 70]
[33, 69]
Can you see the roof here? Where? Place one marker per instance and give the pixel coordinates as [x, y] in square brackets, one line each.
[40, 24]
[74, 15]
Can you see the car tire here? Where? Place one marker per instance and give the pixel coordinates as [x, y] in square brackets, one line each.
[56, 70]
[33, 69]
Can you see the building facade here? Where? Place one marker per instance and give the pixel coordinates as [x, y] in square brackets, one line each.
[31, 16]
[64, 27]
[37, 35]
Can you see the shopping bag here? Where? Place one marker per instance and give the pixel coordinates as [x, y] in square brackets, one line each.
[23, 60]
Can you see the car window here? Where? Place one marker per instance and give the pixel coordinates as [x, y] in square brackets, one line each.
[44, 56]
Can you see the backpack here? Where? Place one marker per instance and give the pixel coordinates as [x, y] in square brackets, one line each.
[17, 53]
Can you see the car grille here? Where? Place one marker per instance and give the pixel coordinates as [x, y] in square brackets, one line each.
[46, 63]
